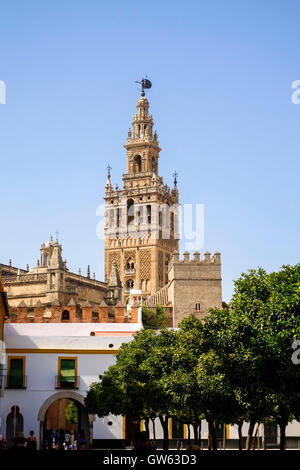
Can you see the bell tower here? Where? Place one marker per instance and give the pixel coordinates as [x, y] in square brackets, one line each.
[141, 220]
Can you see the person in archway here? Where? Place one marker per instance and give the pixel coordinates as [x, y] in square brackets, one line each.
[3, 442]
[67, 440]
[82, 443]
[72, 439]
[31, 441]
[56, 439]
[61, 438]
[49, 439]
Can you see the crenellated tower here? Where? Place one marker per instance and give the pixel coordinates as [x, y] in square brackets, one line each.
[141, 227]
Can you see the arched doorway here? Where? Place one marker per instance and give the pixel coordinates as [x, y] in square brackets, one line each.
[14, 424]
[52, 414]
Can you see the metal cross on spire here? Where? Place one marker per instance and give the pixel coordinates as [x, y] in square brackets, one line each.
[175, 176]
[108, 170]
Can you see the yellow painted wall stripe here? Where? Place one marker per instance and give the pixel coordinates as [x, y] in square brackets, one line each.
[61, 351]
[124, 427]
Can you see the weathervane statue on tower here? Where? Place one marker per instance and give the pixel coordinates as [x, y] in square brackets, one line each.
[145, 83]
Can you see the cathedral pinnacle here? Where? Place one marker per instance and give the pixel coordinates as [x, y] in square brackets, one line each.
[108, 185]
[175, 176]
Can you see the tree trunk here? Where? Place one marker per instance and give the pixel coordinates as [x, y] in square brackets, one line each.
[240, 425]
[265, 441]
[254, 438]
[199, 432]
[212, 435]
[209, 441]
[249, 435]
[153, 426]
[282, 426]
[165, 425]
[195, 428]
[189, 433]
[224, 436]
[146, 420]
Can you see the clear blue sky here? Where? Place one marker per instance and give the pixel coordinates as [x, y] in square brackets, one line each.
[221, 102]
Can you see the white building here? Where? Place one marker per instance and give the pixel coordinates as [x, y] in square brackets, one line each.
[60, 361]
[57, 361]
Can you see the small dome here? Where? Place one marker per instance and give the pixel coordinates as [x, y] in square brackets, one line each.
[142, 101]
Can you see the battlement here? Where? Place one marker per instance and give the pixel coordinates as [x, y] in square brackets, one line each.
[72, 313]
[207, 259]
[194, 284]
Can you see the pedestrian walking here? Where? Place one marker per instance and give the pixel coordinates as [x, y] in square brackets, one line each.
[31, 441]
[67, 440]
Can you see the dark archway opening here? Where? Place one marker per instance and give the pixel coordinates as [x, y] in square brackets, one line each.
[130, 212]
[56, 425]
[65, 316]
[137, 164]
[14, 424]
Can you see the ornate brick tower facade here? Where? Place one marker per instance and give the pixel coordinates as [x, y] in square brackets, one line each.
[141, 226]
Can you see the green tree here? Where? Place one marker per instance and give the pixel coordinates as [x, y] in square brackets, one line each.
[234, 367]
[238, 348]
[281, 329]
[255, 336]
[181, 379]
[131, 386]
[71, 413]
[154, 319]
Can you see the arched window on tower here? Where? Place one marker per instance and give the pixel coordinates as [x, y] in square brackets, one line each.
[129, 285]
[45, 259]
[112, 217]
[153, 164]
[167, 216]
[137, 164]
[129, 268]
[130, 211]
[149, 213]
[139, 214]
[172, 221]
[166, 269]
